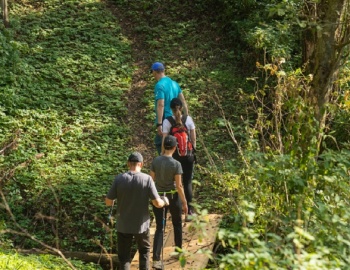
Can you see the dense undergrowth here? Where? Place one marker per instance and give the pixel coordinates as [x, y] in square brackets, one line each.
[68, 68]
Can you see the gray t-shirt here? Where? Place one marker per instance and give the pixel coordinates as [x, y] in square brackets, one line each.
[165, 169]
[133, 192]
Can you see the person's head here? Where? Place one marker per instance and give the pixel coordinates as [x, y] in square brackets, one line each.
[176, 104]
[135, 160]
[169, 142]
[157, 70]
[176, 107]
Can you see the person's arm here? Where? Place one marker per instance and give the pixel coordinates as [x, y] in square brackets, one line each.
[112, 193]
[153, 175]
[108, 202]
[193, 137]
[180, 191]
[163, 149]
[166, 130]
[184, 103]
[158, 202]
[160, 112]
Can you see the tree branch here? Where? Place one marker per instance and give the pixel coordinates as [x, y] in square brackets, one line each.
[27, 234]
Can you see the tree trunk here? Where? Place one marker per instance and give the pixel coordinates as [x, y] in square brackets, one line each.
[325, 39]
[5, 14]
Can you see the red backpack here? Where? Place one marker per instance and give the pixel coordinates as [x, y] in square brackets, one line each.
[184, 145]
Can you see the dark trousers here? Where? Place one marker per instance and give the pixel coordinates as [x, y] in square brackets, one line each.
[124, 249]
[175, 209]
[187, 175]
[158, 143]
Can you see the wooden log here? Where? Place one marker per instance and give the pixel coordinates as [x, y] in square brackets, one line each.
[101, 259]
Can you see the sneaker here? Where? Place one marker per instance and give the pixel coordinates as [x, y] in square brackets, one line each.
[157, 265]
[175, 255]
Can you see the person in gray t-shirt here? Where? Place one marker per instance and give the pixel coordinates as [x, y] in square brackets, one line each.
[166, 172]
[133, 190]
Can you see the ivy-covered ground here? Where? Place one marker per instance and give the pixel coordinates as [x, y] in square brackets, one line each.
[76, 97]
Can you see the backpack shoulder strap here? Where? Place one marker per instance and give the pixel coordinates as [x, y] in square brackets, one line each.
[183, 119]
[171, 120]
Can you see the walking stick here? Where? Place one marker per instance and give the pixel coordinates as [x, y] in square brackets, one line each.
[163, 229]
[110, 214]
[107, 225]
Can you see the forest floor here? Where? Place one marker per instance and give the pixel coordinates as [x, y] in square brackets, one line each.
[142, 133]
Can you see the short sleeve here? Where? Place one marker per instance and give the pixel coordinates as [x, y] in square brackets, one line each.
[112, 193]
[152, 166]
[178, 168]
[159, 91]
[153, 191]
[177, 87]
[166, 126]
[189, 123]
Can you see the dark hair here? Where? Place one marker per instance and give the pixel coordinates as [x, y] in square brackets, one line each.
[175, 102]
[176, 107]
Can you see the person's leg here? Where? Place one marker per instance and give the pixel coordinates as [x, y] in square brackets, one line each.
[175, 209]
[158, 142]
[144, 245]
[158, 235]
[187, 168]
[124, 249]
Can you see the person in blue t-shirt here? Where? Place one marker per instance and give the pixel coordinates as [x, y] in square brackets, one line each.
[164, 91]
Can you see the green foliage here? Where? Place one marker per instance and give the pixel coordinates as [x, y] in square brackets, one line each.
[284, 229]
[42, 262]
[288, 202]
[339, 126]
[66, 67]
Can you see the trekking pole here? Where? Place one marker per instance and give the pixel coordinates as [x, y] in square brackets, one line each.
[110, 220]
[163, 229]
[110, 214]
[102, 242]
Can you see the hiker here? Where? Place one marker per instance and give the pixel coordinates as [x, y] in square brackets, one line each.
[166, 172]
[187, 161]
[164, 91]
[132, 190]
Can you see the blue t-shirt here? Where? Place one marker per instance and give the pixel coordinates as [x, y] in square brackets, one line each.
[166, 89]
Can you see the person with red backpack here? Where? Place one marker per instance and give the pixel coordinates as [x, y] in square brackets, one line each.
[164, 91]
[183, 128]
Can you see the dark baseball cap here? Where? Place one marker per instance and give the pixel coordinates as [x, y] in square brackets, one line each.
[135, 157]
[169, 142]
[157, 66]
[175, 102]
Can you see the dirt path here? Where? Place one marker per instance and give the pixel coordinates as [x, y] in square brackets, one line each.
[142, 127]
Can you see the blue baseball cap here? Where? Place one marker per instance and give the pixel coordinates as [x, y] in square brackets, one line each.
[157, 66]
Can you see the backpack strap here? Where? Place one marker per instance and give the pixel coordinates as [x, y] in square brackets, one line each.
[173, 123]
[171, 120]
[183, 119]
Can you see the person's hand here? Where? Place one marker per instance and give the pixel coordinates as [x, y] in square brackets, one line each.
[160, 131]
[185, 208]
[165, 199]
